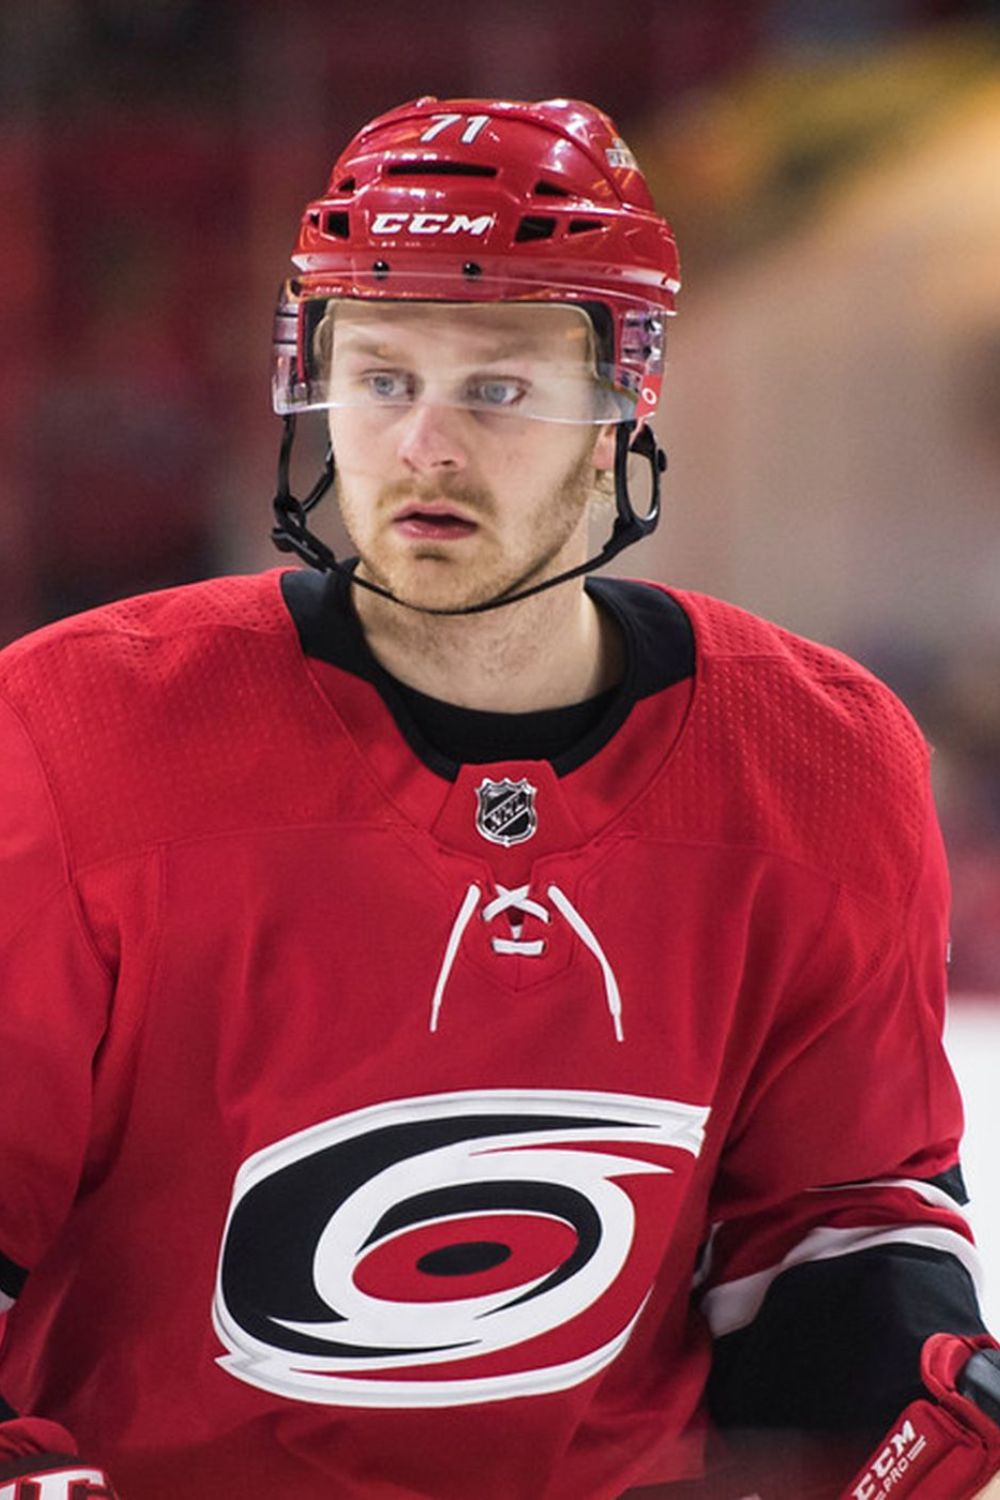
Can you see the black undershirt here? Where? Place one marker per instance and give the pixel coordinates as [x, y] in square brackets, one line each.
[659, 651]
[475, 736]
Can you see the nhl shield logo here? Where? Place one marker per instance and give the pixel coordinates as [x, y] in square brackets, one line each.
[505, 811]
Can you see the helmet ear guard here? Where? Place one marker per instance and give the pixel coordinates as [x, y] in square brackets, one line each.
[291, 532]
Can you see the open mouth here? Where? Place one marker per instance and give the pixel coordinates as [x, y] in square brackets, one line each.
[433, 522]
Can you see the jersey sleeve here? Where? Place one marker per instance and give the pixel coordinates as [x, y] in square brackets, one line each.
[54, 998]
[839, 1242]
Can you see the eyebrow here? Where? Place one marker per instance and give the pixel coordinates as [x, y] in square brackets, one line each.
[359, 343]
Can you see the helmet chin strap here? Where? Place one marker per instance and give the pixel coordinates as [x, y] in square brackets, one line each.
[291, 531]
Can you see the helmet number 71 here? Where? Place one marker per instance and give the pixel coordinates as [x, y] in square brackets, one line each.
[441, 122]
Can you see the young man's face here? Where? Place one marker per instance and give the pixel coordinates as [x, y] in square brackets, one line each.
[464, 444]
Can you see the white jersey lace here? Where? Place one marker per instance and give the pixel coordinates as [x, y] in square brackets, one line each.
[517, 901]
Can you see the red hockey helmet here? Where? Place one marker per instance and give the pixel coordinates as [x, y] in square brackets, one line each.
[479, 201]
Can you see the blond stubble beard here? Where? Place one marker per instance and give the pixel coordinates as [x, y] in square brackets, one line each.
[454, 586]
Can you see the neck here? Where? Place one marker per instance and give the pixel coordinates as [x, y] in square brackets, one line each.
[545, 652]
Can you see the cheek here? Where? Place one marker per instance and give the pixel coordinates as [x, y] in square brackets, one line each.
[540, 457]
[363, 472]
[345, 439]
[570, 462]
[362, 441]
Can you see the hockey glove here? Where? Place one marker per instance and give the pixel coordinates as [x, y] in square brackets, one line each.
[946, 1445]
[68, 1481]
[34, 1465]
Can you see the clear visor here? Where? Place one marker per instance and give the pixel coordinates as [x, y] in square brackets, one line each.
[541, 360]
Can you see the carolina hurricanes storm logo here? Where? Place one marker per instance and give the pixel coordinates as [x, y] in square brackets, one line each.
[449, 1249]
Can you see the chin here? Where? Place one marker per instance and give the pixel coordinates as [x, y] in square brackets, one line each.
[454, 593]
[432, 582]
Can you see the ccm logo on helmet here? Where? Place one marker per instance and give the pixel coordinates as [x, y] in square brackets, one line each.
[427, 223]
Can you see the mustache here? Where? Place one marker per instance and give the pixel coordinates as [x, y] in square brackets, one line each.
[474, 498]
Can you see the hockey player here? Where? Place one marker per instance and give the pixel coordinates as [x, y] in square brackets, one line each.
[467, 1031]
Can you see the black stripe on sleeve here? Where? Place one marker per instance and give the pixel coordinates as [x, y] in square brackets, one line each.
[12, 1277]
[953, 1183]
[836, 1344]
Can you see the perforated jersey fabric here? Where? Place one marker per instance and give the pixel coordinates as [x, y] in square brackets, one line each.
[348, 1149]
[815, 749]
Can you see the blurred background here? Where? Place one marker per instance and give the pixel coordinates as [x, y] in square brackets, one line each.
[832, 407]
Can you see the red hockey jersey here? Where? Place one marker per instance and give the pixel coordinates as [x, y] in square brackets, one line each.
[375, 1131]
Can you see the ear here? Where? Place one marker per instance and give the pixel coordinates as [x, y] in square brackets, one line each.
[604, 447]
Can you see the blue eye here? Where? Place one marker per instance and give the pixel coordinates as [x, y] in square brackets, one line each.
[496, 393]
[389, 385]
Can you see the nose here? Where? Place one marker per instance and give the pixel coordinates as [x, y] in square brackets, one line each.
[430, 440]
